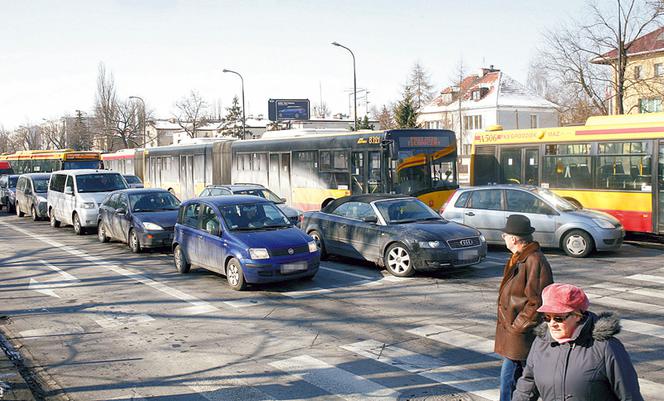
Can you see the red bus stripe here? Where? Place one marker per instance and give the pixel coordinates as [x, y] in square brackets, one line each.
[620, 131]
[632, 220]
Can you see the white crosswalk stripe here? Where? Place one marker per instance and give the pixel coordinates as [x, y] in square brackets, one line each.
[647, 277]
[649, 293]
[462, 377]
[336, 381]
[622, 303]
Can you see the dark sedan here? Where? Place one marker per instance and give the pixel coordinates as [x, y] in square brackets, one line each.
[142, 218]
[401, 233]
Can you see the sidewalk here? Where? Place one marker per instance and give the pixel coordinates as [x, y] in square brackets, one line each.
[12, 385]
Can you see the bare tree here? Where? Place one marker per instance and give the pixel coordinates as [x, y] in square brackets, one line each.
[420, 85]
[568, 51]
[384, 117]
[457, 80]
[321, 110]
[192, 113]
[5, 141]
[54, 134]
[106, 107]
[27, 137]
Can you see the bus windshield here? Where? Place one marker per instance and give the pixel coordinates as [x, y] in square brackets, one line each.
[81, 164]
[422, 163]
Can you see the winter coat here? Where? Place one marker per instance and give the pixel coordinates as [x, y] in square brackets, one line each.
[520, 294]
[594, 366]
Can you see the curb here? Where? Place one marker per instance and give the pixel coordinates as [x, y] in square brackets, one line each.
[12, 385]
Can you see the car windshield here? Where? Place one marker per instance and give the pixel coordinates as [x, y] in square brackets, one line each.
[41, 184]
[12, 181]
[558, 202]
[262, 192]
[254, 216]
[132, 179]
[153, 202]
[100, 182]
[405, 211]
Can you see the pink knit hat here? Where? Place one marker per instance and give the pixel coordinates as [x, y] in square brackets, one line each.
[563, 298]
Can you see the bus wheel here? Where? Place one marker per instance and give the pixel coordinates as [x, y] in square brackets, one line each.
[578, 244]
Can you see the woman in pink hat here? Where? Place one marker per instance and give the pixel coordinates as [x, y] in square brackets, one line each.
[576, 356]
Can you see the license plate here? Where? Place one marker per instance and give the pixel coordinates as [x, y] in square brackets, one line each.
[293, 267]
[468, 254]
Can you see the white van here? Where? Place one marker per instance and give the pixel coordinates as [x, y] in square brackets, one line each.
[74, 196]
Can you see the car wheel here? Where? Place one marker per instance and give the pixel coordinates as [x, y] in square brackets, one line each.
[319, 243]
[181, 263]
[19, 213]
[35, 216]
[55, 223]
[398, 260]
[101, 232]
[78, 228]
[578, 244]
[234, 275]
[134, 243]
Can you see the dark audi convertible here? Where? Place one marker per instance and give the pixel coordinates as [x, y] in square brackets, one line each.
[398, 232]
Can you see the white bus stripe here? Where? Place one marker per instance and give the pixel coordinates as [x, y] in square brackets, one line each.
[336, 381]
[462, 377]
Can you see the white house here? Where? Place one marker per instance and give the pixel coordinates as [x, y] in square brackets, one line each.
[488, 98]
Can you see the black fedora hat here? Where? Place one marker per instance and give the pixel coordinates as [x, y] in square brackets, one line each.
[518, 224]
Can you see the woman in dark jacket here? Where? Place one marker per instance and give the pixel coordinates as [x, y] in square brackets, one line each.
[576, 356]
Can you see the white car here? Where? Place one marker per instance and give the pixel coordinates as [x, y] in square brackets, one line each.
[74, 196]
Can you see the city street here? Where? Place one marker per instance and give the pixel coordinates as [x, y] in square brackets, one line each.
[93, 321]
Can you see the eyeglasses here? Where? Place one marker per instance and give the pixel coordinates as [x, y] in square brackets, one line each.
[558, 319]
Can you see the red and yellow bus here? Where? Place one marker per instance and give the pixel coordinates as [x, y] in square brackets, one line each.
[612, 163]
[46, 161]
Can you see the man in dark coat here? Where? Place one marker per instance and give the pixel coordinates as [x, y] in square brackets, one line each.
[526, 274]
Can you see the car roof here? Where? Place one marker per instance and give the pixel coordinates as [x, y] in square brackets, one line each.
[228, 200]
[237, 186]
[36, 175]
[501, 186]
[85, 171]
[141, 190]
[366, 198]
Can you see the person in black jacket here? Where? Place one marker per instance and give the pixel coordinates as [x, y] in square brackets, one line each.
[575, 355]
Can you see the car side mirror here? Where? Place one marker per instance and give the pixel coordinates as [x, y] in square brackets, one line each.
[283, 199]
[370, 219]
[69, 191]
[121, 212]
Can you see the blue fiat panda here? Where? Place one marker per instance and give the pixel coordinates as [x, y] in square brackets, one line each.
[246, 238]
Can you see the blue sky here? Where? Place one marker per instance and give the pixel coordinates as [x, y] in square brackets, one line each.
[160, 50]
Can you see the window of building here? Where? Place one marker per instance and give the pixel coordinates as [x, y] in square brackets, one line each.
[659, 69]
[534, 121]
[472, 122]
[637, 72]
[652, 105]
[476, 95]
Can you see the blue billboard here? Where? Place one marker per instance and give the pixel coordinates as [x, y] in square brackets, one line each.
[288, 109]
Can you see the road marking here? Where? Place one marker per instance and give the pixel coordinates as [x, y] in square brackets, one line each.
[243, 303]
[306, 293]
[462, 377]
[502, 261]
[120, 270]
[638, 290]
[650, 390]
[61, 272]
[622, 303]
[642, 328]
[200, 309]
[647, 277]
[456, 338]
[347, 273]
[43, 288]
[229, 390]
[115, 320]
[336, 381]
[52, 331]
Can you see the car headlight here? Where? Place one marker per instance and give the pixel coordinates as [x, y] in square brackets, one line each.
[430, 244]
[259, 253]
[604, 223]
[482, 239]
[88, 205]
[152, 226]
[312, 246]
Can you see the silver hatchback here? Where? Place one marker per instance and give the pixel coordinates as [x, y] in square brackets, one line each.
[558, 223]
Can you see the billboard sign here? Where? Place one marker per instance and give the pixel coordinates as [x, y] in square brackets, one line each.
[288, 109]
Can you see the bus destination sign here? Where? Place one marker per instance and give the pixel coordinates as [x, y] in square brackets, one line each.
[423, 142]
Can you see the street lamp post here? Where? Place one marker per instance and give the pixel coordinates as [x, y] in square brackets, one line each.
[244, 131]
[145, 144]
[354, 85]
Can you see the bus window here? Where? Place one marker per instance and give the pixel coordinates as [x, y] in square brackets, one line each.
[510, 163]
[623, 165]
[374, 172]
[567, 166]
[357, 173]
[305, 169]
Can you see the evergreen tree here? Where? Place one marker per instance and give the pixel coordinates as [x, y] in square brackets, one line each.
[364, 123]
[233, 120]
[80, 138]
[421, 86]
[405, 112]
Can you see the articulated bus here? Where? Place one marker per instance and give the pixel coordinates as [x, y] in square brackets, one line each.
[125, 161]
[312, 169]
[612, 163]
[46, 161]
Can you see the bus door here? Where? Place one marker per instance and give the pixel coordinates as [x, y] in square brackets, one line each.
[374, 183]
[279, 175]
[659, 195]
[520, 165]
[187, 176]
[358, 174]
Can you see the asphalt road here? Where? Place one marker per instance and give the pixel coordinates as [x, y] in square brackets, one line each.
[96, 322]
